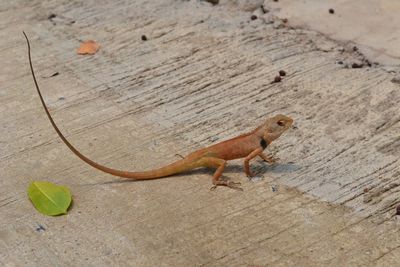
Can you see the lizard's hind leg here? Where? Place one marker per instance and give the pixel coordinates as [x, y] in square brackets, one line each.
[220, 164]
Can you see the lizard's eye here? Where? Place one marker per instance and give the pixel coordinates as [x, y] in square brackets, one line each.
[281, 123]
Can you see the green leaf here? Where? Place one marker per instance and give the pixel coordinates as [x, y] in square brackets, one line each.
[48, 198]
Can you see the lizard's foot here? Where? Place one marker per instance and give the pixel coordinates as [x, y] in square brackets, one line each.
[249, 174]
[271, 160]
[230, 184]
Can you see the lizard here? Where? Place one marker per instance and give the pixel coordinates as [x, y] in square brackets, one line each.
[247, 146]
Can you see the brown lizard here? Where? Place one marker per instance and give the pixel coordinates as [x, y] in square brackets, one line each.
[246, 146]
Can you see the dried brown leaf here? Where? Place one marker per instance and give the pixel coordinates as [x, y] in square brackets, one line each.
[88, 47]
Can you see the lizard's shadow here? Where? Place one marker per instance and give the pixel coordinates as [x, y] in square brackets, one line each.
[259, 168]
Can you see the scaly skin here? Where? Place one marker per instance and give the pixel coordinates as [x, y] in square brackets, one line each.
[246, 146]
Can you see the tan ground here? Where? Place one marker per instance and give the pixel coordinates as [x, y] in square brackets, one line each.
[372, 25]
[203, 75]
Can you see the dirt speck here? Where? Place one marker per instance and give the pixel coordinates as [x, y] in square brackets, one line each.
[40, 228]
[263, 9]
[51, 16]
[277, 79]
[357, 65]
[214, 2]
[51, 75]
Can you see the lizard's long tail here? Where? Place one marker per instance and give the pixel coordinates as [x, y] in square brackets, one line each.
[176, 167]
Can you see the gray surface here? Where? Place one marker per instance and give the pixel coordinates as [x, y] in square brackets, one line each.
[372, 25]
[135, 104]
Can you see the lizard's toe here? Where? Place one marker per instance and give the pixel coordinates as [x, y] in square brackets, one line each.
[234, 185]
[230, 184]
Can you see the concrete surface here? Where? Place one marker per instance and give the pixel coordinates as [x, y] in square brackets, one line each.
[203, 75]
[372, 25]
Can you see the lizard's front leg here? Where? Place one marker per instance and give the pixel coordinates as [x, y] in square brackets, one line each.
[249, 157]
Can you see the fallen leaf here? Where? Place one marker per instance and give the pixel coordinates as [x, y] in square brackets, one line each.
[48, 198]
[88, 47]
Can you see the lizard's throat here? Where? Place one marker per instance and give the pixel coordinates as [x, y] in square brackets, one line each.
[263, 143]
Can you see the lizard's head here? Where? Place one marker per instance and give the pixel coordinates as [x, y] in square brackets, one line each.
[275, 126]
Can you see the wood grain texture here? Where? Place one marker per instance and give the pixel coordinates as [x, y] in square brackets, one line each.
[203, 75]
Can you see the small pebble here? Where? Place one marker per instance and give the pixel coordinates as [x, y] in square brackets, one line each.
[214, 2]
[264, 10]
[331, 11]
[398, 210]
[282, 73]
[277, 79]
[40, 228]
[253, 17]
[144, 38]
[356, 65]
